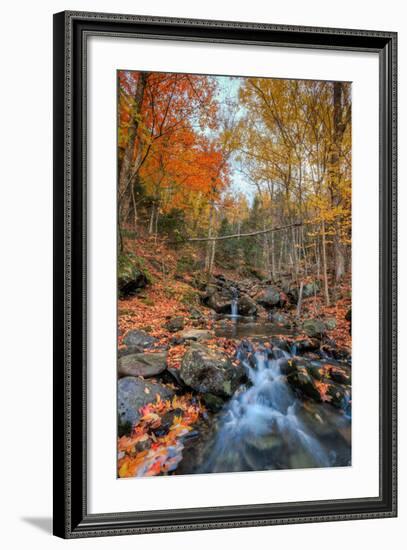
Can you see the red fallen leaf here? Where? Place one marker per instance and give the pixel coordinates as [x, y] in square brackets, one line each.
[155, 460]
[154, 469]
[322, 387]
[152, 419]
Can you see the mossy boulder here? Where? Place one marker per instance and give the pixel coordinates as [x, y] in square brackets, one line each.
[330, 323]
[304, 384]
[218, 300]
[339, 395]
[131, 278]
[175, 324]
[269, 297]
[341, 374]
[195, 314]
[306, 345]
[212, 402]
[314, 328]
[210, 371]
[246, 306]
[310, 289]
[279, 318]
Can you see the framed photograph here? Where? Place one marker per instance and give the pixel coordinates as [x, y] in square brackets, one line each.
[224, 274]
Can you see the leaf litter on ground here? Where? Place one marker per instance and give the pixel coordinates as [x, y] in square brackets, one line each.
[149, 451]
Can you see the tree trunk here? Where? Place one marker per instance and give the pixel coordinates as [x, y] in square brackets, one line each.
[157, 215]
[280, 258]
[339, 258]
[212, 257]
[339, 126]
[294, 252]
[324, 264]
[317, 258]
[209, 239]
[126, 192]
[304, 252]
[133, 201]
[152, 216]
[273, 259]
[266, 253]
[299, 303]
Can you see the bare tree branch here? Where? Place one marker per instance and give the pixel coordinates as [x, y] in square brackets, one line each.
[240, 235]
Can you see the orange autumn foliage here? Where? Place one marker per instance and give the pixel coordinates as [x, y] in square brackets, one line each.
[159, 454]
[180, 164]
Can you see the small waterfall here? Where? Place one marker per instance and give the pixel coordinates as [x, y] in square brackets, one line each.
[265, 426]
[235, 302]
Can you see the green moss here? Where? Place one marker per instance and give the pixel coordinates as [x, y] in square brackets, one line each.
[169, 292]
[190, 296]
[129, 264]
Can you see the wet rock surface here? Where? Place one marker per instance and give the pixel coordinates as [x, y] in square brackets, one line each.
[246, 306]
[210, 371]
[281, 400]
[132, 394]
[291, 414]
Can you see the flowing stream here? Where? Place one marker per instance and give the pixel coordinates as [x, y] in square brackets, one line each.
[265, 426]
[234, 308]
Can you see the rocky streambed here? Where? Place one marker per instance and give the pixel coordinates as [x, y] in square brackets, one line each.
[250, 386]
[275, 401]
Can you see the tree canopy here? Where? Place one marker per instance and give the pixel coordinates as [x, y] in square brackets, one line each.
[202, 158]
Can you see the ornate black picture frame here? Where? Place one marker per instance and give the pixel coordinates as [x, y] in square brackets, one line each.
[71, 517]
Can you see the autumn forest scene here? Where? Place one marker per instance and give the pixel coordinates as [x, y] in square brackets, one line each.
[233, 274]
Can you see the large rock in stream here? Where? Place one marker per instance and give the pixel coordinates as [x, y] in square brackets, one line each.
[134, 393]
[269, 297]
[210, 371]
[142, 364]
[303, 382]
[246, 306]
[279, 318]
[319, 380]
[218, 299]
